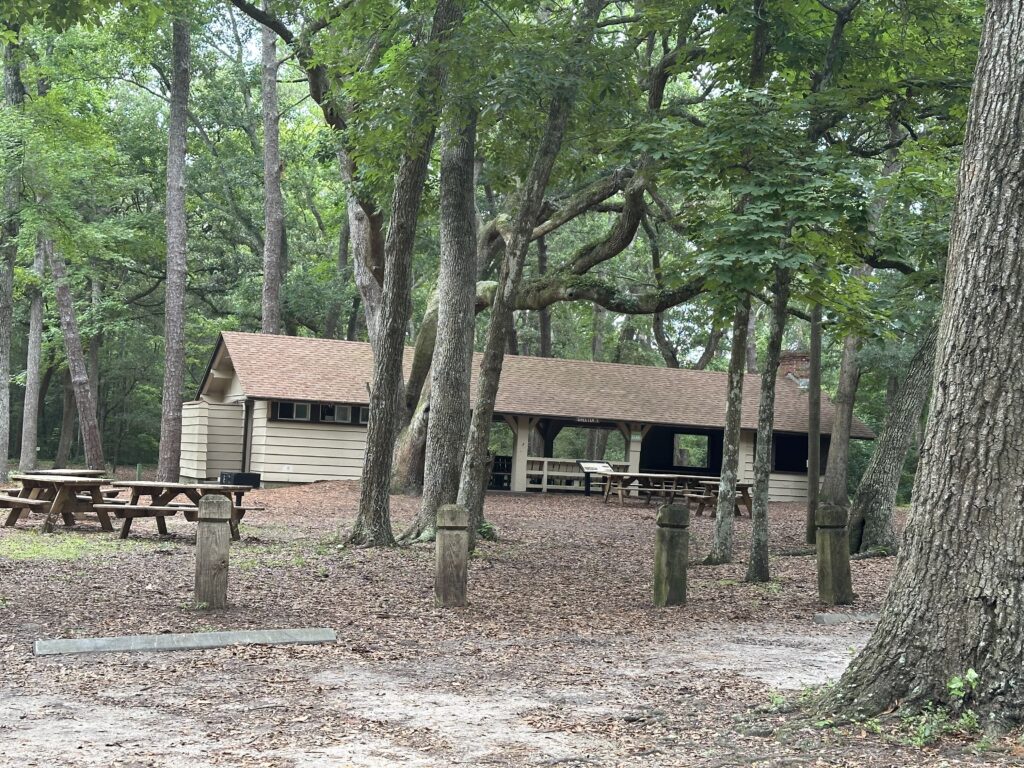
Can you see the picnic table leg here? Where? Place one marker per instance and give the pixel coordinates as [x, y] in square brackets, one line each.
[161, 525]
[57, 507]
[97, 498]
[126, 525]
[607, 488]
[747, 502]
[12, 517]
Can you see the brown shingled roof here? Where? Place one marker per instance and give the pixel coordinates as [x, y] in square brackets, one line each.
[325, 370]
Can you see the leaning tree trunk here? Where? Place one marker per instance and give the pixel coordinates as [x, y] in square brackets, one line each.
[14, 98]
[273, 200]
[757, 568]
[814, 426]
[33, 378]
[84, 400]
[956, 602]
[373, 522]
[752, 342]
[833, 487]
[168, 466]
[67, 423]
[472, 482]
[453, 350]
[721, 547]
[871, 513]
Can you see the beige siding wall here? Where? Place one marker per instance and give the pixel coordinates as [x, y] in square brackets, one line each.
[211, 439]
[193, 441]
[782, 486]
[224, 427]
[296, 452]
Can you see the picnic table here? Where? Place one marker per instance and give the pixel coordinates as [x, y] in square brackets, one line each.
[742, 494]
[68, 472]
[650, 483]
[162, 504]
[57, 495]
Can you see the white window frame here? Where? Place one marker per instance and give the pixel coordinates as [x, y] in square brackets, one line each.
[364, 414]
[346, 409]
[295, 410]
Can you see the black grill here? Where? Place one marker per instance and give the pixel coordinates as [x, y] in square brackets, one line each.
[252, 479]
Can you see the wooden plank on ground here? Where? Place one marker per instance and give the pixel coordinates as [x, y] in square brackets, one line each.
[187, 641]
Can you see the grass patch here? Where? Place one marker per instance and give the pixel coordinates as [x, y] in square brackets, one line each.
[33, 545]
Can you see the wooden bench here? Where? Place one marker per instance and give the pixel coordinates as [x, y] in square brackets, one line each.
[17, 505]
[129, 512]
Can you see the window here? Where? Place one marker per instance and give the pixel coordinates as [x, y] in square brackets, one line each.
[690, 451]
[364, 415]
[341, 414]
[789, 453]
[293, 411]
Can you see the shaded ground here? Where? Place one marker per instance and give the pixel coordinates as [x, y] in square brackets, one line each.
[560, 660]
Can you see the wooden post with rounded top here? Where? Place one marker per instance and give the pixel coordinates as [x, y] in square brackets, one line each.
[671, 554]
[451, 556]
[213, 538]
[835, 584]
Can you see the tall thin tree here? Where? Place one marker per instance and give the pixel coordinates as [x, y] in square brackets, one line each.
[273, 199]
[177, 251]
[33, 377]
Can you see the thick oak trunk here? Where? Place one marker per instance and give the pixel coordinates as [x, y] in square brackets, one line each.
[453, 350]
[273, 200]
[721, 547]
[871, 514]
[757, 568]
[33, 370]
[168, 466]
[956, 602]
[373, 522]
[84, 400]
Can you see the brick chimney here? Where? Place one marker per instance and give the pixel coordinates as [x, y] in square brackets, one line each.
[796, 366]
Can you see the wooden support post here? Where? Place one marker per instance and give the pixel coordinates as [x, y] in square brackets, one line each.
[213, 538]
[451, 556]
[835, 585]
[671, 554]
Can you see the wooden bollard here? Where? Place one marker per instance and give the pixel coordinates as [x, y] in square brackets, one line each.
[213, 537]
[835, 584]
[451, 556]
[671, 554]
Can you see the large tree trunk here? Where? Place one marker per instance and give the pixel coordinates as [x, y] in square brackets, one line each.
[721, 547]
[757, 568]
[472, 482]
[67, 423]
[273, 200]
[956, 602]
[373, 522]
[168, 466]
[33, 378]
[871, 513]
[814, 426]
[453, 351]
[10, 226]
[833, 487]
[80, 384]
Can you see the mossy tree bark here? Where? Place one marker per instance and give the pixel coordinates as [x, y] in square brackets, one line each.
[957, 598]
[721, 547]
[757, 568]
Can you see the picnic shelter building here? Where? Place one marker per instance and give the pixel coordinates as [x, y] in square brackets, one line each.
[295, 409]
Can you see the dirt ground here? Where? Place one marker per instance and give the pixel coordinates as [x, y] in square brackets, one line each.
[560, 659]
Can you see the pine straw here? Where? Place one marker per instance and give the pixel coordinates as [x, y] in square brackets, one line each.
[560, 659]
